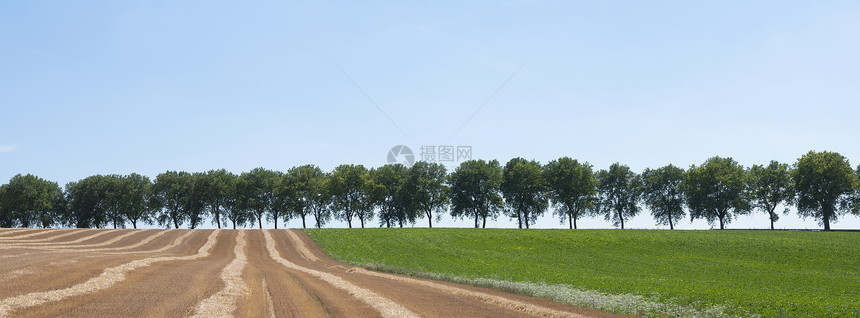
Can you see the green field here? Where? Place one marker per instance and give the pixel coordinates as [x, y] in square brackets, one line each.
[743, 273]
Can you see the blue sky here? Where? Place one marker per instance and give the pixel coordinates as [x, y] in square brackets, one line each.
[94, 87]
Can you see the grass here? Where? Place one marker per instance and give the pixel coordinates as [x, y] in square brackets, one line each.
[741, 273]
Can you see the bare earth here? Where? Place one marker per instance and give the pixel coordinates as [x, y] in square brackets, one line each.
[223, 273]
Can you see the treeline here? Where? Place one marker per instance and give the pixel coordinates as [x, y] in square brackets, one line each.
[822, 185]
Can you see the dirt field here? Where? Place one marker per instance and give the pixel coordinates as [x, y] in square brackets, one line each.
[223, 273]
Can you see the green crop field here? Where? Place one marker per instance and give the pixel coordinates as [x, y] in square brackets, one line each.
[741, 273]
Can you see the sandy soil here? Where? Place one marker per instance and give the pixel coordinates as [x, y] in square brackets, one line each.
[244, 273]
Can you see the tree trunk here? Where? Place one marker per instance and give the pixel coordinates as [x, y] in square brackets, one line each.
[361, 219]
[526, 219]
[722, 226]
[234, 225]
[476, 220]
[826, 221]
[303, 222]
[574, 223]
[621, 217]
[401, 223]
[260, 220]
[519, 220]
[218, 218]
[570, 220]
[430, 220]
[671, 226]
[485, 222]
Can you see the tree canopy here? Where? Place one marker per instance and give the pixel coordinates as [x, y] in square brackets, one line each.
[663, 194]
[716, 191]
[475, 191]
[28, 200]
[430, 194]
[769, 186]
[619, 189]
[825, 183]
[572, 187]
[524, 189]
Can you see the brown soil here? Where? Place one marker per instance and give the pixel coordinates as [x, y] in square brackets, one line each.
[290, 277]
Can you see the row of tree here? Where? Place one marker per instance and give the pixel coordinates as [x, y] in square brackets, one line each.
[821, 184]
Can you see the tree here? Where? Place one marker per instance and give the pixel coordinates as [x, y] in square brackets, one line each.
[194, 203]
[218, 191]
[320, 197]
[769, 187]
[824, 182]
[572, 188]
[618, 193]
[524, 189]
[137, 194]
[297, 191]
[430, 195]
[365, 210]
[87, 202]
[475, 187]
[349, 188]
[233, 207]
[663, 194]
[716, 190]
[390, 195]
[170, 191]
[257, 189]
[114, 191]
[6, 199]
[28, 200]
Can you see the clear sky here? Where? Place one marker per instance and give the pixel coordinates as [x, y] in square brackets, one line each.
[101, 87]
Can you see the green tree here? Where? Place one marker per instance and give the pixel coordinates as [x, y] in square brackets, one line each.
[257, 189]
[6, 218]
[169, 192]
[87, 202]
[233, 207]
[426, 185]
[297, 191]
[618, 193]
[219, 188]
[390, 194]
[824, 182]
[350, 196]
[769, 187]
[28, 200]
[663, 194]
[716, 190]
[524, 189]
[320, 197]
[367, 203]
[475, 190]
[572, 189]
[136, 196]
[194, 204]
[114, 191]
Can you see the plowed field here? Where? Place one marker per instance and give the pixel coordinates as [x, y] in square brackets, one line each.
[223, 273]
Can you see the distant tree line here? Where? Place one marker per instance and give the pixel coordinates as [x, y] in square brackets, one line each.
[822, 185]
